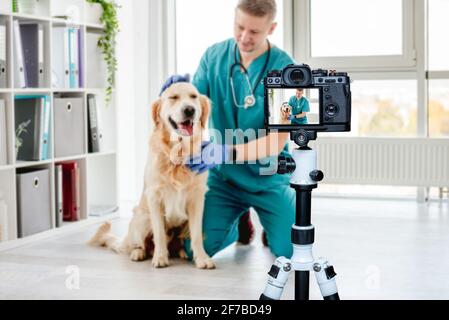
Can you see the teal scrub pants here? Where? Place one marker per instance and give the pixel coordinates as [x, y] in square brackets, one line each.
[225, 203]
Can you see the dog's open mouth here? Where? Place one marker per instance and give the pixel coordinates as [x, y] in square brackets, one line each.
[184, 128]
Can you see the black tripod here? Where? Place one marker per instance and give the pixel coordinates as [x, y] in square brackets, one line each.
[305, 178]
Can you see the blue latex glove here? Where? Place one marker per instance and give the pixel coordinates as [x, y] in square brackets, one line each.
[290, 118]
[211, 156]
[174, 79]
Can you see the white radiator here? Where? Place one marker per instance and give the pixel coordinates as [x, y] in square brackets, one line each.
[398, 162]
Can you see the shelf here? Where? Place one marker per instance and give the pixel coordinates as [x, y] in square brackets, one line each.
[27, 164]
[94, 26]
[8, 167]
[102, 211]
[32, 90]
[98, 171]
[63, 22]
[76, 157]
[48, 90]
[31, 17]
[95, 90]
[67, 90]
[101, 154]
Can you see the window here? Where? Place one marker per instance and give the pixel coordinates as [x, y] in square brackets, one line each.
[438, 94]
[384, 108]
[438, 26]
[438, 108]
[378, 31]
[196, 31]
[354, 34]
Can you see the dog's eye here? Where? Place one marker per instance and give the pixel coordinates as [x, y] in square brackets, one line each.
[175, 97]
[193, 96]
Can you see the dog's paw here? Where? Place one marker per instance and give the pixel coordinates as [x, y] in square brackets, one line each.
[138, 255]
[160, 261]
[204, 263]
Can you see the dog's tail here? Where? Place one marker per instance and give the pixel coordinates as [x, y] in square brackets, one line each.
[103, 238]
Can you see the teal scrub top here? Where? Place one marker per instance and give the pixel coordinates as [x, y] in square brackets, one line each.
[299, 106]
[212, 79]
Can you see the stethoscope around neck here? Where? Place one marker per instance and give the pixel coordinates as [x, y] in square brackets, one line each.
[250, 100]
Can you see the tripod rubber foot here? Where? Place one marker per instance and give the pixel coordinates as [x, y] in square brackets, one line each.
[333, 297]
[264, 297]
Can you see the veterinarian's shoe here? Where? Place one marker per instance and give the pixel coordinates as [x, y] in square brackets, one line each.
[246, 229]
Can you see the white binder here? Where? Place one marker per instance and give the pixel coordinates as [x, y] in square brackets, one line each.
[95, 67]
[73, 57]
[3, 130]
[58, 195]
[61, 63]
[19, 65]
[3, 66]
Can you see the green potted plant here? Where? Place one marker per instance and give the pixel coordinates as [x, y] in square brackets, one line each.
[107, 42]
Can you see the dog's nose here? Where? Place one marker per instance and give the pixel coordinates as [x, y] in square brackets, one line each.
[189, 111]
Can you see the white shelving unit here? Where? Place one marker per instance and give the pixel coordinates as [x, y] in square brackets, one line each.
[99, 187]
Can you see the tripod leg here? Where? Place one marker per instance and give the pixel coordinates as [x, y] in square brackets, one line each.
[277, 278]
[325, 276]
[302, 285]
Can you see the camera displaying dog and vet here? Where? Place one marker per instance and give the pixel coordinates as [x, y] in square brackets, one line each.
[298, 97]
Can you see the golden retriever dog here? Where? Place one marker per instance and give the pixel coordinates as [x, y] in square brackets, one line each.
[172, 202]
[286, 111]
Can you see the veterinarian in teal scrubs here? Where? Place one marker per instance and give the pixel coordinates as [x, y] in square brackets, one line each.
[237, 96]
[300, 106]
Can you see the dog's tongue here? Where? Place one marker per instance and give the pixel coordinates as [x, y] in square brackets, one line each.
[186, 130]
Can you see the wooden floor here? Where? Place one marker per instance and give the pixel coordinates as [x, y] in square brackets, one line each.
[380, 250]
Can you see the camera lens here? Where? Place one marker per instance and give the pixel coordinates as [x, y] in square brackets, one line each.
[331, 110]
[297, 76]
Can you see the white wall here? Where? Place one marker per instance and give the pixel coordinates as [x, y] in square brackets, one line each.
[133, 95]
[142, 70]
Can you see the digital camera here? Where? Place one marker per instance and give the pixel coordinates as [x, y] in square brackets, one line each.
[319, 100]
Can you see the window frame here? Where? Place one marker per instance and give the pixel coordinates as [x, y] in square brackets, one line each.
[302, 30]
[297, 38]
[171, 40]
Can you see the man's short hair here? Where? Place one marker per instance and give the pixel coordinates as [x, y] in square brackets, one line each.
[258, 8]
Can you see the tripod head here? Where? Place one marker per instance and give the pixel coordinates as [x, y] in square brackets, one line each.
[303, 137]
[303, 159]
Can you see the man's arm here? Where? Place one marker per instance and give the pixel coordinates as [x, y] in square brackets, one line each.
[301, 115]
[268, 146]
[305, 109]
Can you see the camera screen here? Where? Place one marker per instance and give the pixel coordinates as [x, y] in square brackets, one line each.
[294, 107]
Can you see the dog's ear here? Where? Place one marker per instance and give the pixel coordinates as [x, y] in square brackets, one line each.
[155, 109]
[205, 110]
